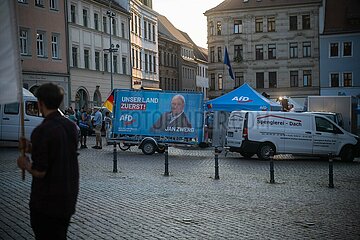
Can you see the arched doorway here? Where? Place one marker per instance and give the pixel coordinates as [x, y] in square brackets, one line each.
[81, 99]
[97, 98]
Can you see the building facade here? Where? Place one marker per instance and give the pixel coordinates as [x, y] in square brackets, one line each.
[272, 45]
[43, 44]
[144, 45]
[95, 66]
[340, 48]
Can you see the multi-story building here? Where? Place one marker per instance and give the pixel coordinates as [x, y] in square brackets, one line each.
[169, 55]
[43, 44]
[340, 48]
[95, 66]
[144, 45]
[272, 45]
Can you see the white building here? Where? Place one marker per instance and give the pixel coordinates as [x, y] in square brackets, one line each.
[144, 45]
[89, 42]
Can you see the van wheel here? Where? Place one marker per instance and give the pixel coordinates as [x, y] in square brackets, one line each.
[148, 148]
[265, 150]
[247, 154]
[347, 154]
[123, 146]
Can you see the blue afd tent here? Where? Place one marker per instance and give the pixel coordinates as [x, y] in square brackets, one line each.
[242, 98]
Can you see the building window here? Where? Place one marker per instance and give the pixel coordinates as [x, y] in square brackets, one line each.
[86, 58]
[347, 49]
[74, 56]
[136, 59]
[153, 32]
[334, 78]
[55, 46]
[306, 22]
[272, 80]
[258, 24]
[96, 21]
[347, 79]
[212, 54]
[53, 4]
[149, 28]
[150, 63]
[115, 64]
[293, 50]
[238, 53]
[40, 47]
[307, 80]
[145, 29]
[272, 51]
[114, 27]
[105, 24]
[294, 79]
[218, 28]
[239, 79]
[73, 13]
[293, 22]
[146, 62]
[23, 42]
[271, 24]
[97, 61]
[135, 24]
[259, 80]
[211, 29]
[220, 81]
[39, 3]
[259, 52]
[334, 49]
[106, 61]
[307, 49]
[212, 81]
[238, 27]
[85, 17]
[154, 57]
[123, 30]
[219, 54]
[124, 65]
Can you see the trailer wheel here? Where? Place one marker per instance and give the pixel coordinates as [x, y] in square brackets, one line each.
[347, 154]
[148, 147]
[160, 149]
[123, 146]
[247, 154]
[265, 150]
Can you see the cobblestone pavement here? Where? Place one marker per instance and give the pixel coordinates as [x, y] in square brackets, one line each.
[139, 202]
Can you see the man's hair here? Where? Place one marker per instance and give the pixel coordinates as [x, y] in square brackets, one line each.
[50, 94]
[179, 96]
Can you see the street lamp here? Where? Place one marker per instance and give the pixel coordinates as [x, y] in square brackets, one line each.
[112, 48]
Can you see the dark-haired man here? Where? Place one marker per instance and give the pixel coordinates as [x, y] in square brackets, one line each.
[53, 166]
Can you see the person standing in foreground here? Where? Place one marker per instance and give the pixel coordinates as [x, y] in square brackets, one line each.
[97, 128]
[54, 167]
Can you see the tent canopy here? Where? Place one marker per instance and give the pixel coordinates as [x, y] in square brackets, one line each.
[242, 98]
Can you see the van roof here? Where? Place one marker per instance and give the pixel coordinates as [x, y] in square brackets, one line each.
[27, 93]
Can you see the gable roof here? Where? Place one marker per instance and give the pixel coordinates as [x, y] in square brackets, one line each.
[166, 28]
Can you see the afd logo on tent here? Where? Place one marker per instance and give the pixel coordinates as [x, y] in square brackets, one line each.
[241, 99]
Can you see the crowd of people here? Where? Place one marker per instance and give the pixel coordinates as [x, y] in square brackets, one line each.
[90, 120]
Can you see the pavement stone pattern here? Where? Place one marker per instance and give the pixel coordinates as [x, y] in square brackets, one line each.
[139, 202]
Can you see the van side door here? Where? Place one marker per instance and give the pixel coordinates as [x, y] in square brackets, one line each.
[326, 137]
[298, 134]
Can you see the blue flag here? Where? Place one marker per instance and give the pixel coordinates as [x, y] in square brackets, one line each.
[227, 62]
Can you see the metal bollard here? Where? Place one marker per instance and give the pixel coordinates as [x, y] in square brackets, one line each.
[216, 164]
[331, 171]
[166, 173]
[272, 177]
[115, 170]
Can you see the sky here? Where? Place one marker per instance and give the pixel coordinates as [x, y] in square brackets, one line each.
[187, 16]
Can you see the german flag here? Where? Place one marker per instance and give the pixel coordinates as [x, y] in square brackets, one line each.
[109, 103]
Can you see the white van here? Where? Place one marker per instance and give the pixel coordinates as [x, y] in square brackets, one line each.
[261, 133]
[10, 118]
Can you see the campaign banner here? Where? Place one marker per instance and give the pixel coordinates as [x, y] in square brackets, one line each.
[158, 113]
